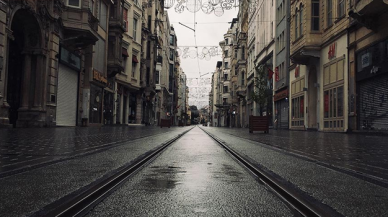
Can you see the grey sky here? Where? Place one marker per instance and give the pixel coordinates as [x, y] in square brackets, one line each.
[209, 32]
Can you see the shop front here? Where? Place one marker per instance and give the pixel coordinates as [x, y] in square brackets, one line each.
[281, 109]
[297, 101]
[372, 87]
[109, 102]
[97, 86]
[334, 86]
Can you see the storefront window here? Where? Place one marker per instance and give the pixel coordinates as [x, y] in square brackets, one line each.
[297, 111]
[333, 107]
[95, 104]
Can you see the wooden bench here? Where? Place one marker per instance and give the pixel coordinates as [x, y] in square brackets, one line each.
[165, 123]
[258, 123]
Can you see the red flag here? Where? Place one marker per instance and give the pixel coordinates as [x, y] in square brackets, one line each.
[270, 73]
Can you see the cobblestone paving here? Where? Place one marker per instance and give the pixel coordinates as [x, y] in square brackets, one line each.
[358, 152]
[23, 147]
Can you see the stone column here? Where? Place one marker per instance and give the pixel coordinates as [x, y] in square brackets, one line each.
[139, 106]
[121, 108]
[26, 82]
[127, 109]
[38, 83]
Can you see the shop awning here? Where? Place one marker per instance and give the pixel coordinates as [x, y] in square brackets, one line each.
[134, 59]
[125, 52]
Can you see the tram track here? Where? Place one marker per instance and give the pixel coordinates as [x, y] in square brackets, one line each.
[82, 202]
[290, 196]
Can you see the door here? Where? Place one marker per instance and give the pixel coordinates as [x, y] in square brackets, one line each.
[67, 96]
[312, 98]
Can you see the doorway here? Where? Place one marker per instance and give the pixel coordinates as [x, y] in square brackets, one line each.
[312, 99]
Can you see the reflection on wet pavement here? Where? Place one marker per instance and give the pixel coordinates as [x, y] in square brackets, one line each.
[193, 177]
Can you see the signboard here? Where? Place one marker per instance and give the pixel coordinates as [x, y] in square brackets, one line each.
[332, 51]
[297, 71]
[280, 95]
[277, 74]
[70, 59]
[97, 76]
[365, 60]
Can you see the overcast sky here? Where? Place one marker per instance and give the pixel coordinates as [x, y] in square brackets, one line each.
[209, 32]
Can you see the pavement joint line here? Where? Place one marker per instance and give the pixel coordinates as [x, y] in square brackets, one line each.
[304, 156]
[296, 200]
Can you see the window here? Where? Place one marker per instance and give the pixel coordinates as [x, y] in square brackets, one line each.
[91, 6]
[341, 8]
[225, 77]
[133, 69]
[171, 54]
[125, 19]
[171, 70]
[225, 89]
[226, 65]
[297, 111]
[226, 41]
[296, 25]
[134, 29]
[149, 22]
[329, 13]
[235, 53]
[226, 53]
[315, 15]
[74, 3]
[301, 21]
[103, 15]
[172, 40]
[242, 52]
[242, 79]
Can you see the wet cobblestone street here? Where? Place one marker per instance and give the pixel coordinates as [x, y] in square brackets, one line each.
[363, 153]
[22, 147]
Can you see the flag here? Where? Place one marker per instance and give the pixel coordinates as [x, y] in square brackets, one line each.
[270, 73]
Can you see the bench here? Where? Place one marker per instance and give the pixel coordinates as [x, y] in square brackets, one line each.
[165, 123]
[258, 123]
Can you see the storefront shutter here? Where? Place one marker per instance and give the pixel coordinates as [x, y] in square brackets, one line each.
[67, 96]
[373, 103]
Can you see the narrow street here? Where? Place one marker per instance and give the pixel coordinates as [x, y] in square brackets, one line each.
[193, 176]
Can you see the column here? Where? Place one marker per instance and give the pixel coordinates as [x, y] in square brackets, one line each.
[26, 82]
[121, 107]
[139, 105]
[127, 108]
[38, 83]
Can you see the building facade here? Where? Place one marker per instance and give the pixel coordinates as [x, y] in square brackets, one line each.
[281, 76]
[368, 66]
[319, 73]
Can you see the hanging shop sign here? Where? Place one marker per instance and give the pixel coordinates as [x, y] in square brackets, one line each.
[297, 71]
[332, 51]
[280, 95]
[71, 60]
[99, 77]
[277, 74]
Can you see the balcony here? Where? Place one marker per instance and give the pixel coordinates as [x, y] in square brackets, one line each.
[116, 19]
[115, 55]
[369, 7]
[367, 11]
[80, 27]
